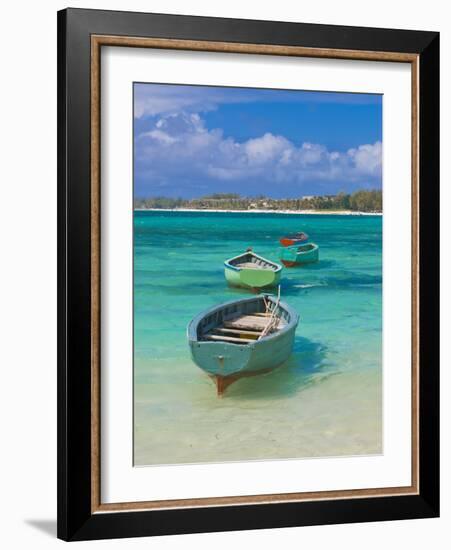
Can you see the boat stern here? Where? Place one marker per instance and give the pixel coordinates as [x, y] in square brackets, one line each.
[252, 278]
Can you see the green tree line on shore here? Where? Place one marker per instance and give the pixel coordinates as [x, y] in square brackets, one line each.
[359, 201]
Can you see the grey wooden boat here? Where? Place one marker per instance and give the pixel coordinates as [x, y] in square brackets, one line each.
[242, 338]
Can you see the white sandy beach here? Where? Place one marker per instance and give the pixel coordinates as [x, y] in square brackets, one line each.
[256, 211]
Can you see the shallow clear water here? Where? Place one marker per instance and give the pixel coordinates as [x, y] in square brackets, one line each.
[325, 401]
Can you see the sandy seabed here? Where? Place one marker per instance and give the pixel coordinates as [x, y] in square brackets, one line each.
[267, 417]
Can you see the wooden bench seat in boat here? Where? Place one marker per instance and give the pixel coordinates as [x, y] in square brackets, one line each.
[247, 322]
[252, 265]
[221, 338]
[261, 314]
[238, 332]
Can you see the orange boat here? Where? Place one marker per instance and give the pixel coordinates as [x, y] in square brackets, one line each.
[293, 239]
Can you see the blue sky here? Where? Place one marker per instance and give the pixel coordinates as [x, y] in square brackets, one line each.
[194, 140]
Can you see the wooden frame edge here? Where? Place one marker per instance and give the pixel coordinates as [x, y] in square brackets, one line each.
[95, 276]
[262, 49]
[415, 270]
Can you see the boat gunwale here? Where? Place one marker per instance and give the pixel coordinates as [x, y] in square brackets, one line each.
[313, 246]
[194, 323]
[296, 236]
[300, 236]
[236, 268]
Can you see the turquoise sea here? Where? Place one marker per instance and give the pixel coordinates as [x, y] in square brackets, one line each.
[325, 401]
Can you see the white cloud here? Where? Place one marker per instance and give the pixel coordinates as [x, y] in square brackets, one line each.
[367, 158]
[158, 99]
[179, 146]
[265, 149]
[163, 137]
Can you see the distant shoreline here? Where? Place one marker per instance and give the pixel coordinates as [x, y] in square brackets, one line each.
[258, 211]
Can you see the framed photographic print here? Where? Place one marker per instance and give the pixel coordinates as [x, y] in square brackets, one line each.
[248, 274]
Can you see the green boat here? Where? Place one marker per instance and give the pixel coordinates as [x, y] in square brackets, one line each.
[242, 338]
[249, 270]
[292, 256]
